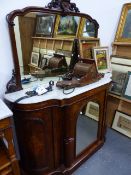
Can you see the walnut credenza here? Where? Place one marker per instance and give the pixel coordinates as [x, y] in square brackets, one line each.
[46, 128]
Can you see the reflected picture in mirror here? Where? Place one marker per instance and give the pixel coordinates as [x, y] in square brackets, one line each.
[87, 126]
[101, 56]
[92, 110]
[35, 58]
[43, 61]
[89, 29]
[68, 25]
[44, 25]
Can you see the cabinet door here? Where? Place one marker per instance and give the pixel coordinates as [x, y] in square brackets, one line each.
[34, 133]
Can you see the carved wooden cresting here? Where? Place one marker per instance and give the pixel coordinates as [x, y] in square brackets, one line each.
[64, 5]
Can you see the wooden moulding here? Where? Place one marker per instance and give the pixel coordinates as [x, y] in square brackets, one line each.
[53, 43]
[86, 46]
[49, 45]
[58, 45]
[112, 105]
[121, 49]
[125, 107]
[43, 43]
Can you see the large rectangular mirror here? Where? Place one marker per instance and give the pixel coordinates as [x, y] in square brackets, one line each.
[48, 43]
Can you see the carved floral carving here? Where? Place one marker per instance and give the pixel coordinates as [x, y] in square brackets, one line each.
[64, 5]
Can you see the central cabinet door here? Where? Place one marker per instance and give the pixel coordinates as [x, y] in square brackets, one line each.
[35, 140]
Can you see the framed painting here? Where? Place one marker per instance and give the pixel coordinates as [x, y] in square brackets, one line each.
[67, 26]
[43, 61]
[45, 25]
[88, 29]
[124, 27]
[118, 80]
[35, 58]
[122, 123]
[127, 88]
[101, 56]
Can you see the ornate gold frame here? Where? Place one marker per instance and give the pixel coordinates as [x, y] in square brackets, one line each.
[81, 28]
[121, 25]
[64, 36]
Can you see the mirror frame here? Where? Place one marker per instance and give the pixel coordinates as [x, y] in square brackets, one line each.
[60, 7]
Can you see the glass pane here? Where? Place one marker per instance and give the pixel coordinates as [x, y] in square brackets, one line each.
[89, 29]
[43, 56]
[87, 126]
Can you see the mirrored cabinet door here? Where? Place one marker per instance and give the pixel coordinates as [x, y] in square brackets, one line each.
[87, 126]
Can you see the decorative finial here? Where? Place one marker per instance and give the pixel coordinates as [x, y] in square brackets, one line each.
[63, 5]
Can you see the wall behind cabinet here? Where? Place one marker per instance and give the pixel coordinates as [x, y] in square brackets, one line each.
[105, 12]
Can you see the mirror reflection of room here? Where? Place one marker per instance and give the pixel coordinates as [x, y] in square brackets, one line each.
[46, 49]
[89, 29]
[87, 126]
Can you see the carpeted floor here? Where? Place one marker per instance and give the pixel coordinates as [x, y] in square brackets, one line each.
[114, 158]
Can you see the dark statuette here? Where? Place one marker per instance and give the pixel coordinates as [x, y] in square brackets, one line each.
[11, 85]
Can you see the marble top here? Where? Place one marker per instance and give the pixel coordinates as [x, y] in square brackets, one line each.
[4, 111]
[56, 93]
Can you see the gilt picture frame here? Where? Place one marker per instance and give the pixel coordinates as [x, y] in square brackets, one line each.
[67, 26]
[87, 29]
[102, 59]
[122, 123]
[123, 33]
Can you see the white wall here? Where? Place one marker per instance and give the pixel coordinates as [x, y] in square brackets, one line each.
[105, 12]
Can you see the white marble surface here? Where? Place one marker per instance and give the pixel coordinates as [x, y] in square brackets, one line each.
[4, 111]
[56, 93]
[36, 82]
